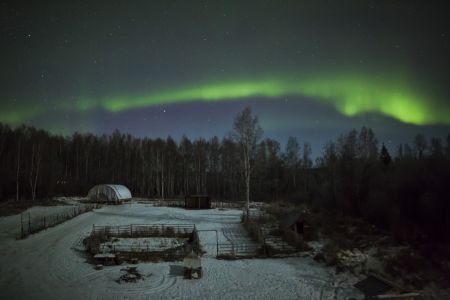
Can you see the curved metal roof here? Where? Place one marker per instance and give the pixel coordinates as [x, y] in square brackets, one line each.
[112, 191]
[122, 191]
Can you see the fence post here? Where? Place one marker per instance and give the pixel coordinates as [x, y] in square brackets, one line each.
[21, 225]
[264, 245]
[217, 242]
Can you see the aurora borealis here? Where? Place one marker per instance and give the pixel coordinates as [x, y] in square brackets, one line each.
[158, 68]
[350, 96]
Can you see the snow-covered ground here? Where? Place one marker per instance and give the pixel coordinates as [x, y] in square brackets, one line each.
[10, 225]
[48, 266]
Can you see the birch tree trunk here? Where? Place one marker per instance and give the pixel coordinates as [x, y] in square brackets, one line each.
[18, 172]
[38, 164]
[34, 170]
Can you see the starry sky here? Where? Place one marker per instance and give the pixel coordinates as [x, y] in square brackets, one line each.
[310, 69]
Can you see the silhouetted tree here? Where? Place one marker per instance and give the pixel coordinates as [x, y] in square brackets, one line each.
[411, 199]
[420, 145]
[385, 157]
[292, 158]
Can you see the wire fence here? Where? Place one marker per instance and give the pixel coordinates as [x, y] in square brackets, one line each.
[238, 249]
[214, 204]
[143, 241]
[144, 230]
[227, 205]
[141, 245]
[30, 224]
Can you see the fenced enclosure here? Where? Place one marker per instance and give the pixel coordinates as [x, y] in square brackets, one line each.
[214, 204]
[234, 250]
[270, 246]
[144, 230]
[239, 245]
[143, 241]
[268, 234]
[30, 224]
[170, 202]
[227, 205]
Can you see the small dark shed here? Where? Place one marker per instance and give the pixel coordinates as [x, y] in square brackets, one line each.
[376, 287]
[197, 202]
[295, 222]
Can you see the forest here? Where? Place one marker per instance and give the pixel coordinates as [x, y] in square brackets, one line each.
[406, 192]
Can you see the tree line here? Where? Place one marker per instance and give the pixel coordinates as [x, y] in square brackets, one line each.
[354, 176]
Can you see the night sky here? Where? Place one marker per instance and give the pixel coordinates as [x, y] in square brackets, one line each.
[310, 69]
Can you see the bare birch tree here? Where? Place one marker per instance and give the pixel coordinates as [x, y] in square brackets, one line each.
[34, 170]
[18, 172]
[247, 132]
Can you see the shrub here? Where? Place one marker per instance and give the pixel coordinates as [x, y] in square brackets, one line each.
[169, 232]
[330, 251]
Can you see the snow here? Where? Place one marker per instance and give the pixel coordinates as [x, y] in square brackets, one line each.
[47, 265]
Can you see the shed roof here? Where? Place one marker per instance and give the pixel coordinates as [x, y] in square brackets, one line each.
[291, 219]
[373, 286]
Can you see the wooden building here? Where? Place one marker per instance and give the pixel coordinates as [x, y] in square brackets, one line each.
[376, 287]
[197, 202]
[295, 222]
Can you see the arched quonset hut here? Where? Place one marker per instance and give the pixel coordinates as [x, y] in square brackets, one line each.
[109, 193]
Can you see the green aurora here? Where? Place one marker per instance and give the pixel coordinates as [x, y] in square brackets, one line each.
[350, 95]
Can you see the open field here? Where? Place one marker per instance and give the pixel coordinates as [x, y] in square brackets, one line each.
[47, 265]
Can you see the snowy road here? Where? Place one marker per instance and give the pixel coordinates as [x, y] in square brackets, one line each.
[46, 265]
